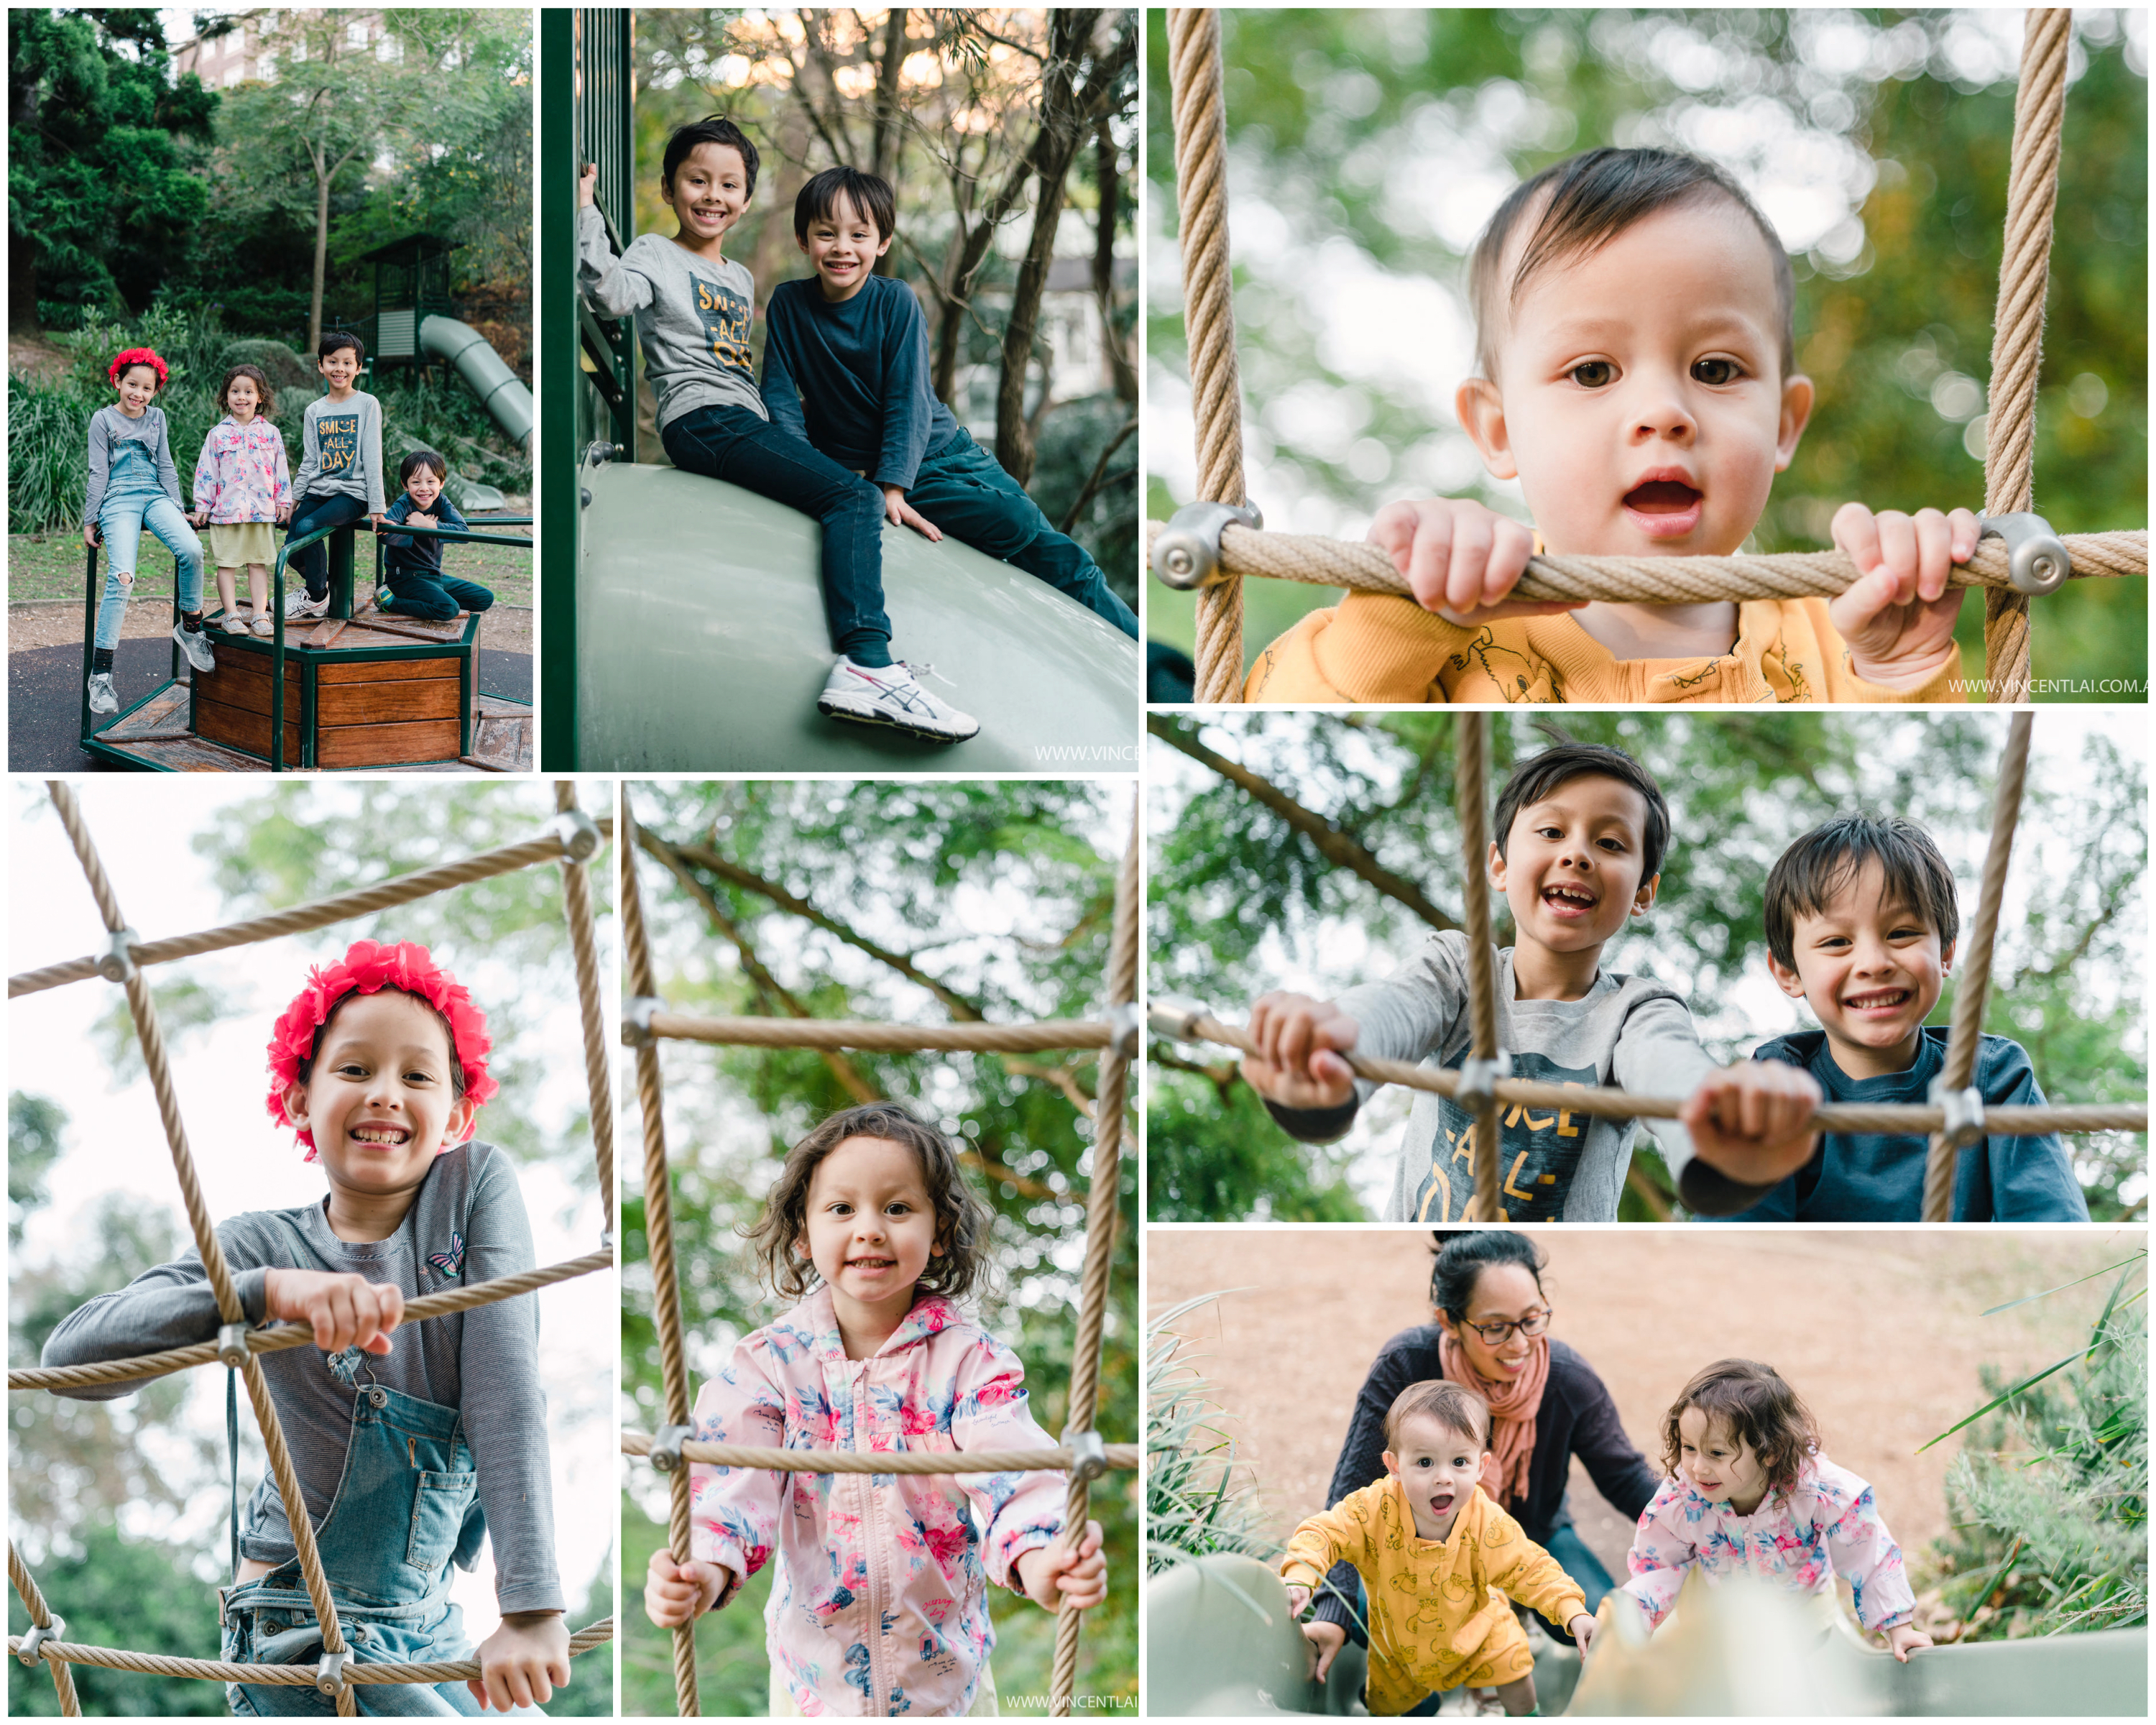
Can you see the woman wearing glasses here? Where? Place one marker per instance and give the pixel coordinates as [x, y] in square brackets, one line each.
[1547, 1405]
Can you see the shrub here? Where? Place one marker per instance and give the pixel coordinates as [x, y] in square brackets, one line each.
[1196, 1502]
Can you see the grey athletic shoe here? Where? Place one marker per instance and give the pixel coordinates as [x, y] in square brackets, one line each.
[195, 644]
[890, 694]
[299, 605]
[102, 699]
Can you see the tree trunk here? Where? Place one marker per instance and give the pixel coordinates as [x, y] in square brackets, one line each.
[883, 160]
[1106, 160]
[322, 178]
[959, 289]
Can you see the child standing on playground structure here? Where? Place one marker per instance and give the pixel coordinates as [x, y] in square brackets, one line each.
[1580, 833]
[340, 476]
[845, 367]
[242, 489]
[412, 562]
[880, 1605]
[1750, 1493]
[407, 1455]
[1861, 926]
[1636, 340]
[693, 307]
[1434, 1552]
[134, 484]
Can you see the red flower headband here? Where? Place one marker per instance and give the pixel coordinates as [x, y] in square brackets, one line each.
[367, 968]
[136, 356]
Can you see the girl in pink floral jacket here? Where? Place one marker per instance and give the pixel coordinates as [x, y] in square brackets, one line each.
[1749, 1493]
[243, 486]
[880, 1601]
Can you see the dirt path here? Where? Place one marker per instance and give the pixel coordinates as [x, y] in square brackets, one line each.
[508, 628]
[1878, 1331]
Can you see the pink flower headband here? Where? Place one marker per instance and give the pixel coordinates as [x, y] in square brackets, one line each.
[367, 968]
[136, 356]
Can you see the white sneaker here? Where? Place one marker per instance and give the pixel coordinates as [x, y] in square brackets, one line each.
[195, 644]
[891, 695]
[299, 605]
[102, 699]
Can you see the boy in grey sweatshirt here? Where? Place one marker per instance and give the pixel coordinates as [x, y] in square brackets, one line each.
[340, 476]
[1581, 831]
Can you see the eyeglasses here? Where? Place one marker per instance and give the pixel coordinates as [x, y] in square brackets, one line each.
[1532, 1326]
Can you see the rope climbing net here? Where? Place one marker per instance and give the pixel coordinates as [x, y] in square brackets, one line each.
[1956, 1118]
[1082, 1454]
[571, 839]
[1212, 545]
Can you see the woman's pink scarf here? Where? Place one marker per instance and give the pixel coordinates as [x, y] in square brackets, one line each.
[1513, 1405]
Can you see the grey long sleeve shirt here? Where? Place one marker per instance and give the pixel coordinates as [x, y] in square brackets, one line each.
[1627, 1032]
[484, 1363]
[693, 316]
[109, 426]
[340, 443]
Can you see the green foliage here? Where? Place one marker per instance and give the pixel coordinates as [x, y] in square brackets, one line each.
[34, 1127]
[590, 1694]
[1197, 1503]
[733, 1672]
[1072, 441]
[118, 1592]
[2050, 1502]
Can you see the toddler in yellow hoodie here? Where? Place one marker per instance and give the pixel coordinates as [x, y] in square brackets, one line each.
[1636, 340]
[1440, 1561]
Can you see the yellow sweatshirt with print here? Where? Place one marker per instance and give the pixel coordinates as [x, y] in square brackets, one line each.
[1440, 1610]
[1379, 647]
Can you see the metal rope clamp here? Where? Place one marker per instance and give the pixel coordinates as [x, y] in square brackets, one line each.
[579, 835]
[1089, 1454]
[1171, 1016]
[1478, 1081]
[1963, 1124]
[329, 1675]
[636, 1011]
[1187, 554]
[116, 962]
[2037, 562]
[666, 1446]
[39, 1635]
[1123, 1029]
[231, 1344]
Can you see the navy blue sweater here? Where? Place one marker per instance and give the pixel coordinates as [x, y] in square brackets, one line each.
[420, 552]
[852, 378]
[1879, 1177]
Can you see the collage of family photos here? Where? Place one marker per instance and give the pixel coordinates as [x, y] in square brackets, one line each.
[1099, 862]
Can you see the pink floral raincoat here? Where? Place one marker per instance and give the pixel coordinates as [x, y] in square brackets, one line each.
[1798, 1539]
[242, 474]
[881, 1604]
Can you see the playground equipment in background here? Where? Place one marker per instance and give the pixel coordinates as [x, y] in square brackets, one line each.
[1210, 545]
[363, 688]
[414, 322]
[645, 1022]
[1224, 1643]
[572, 839]
[683, 617]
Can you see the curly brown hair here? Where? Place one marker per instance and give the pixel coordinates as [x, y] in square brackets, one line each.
[1754, 1404]
[961, 1219]
[266, 401]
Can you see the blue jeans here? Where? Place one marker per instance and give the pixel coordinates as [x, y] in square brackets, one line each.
[962, 489]
[120, 521]
[309, 514]
[419, 590]
[744, 449]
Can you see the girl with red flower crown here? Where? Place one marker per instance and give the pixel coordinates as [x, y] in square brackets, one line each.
[410, 1447]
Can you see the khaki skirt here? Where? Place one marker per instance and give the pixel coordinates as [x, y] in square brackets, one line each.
[242, 543]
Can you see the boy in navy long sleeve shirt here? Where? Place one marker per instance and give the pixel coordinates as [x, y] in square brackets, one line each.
[412, 562]
[845, 368]
[1861, 922]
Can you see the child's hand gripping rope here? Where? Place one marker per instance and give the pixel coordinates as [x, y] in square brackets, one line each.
[522, 1663]
[346, 1311]
[676, 1593]
[1460, 559]
[1303, 1040]
[1054, 1575]
[1748, 1121]
[1898, 618]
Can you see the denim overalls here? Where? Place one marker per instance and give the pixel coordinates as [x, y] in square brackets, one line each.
[407, 1504]
[133, 498]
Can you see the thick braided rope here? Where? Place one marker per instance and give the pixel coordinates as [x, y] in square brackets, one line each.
[1974, 985]
[1609, 1104]
[1209, 317]
[895, 1039]
[33, 1602]
[1471, 794]
[879, 1462]
[1102, 1214]
[277, 1337]
[290, 1676]
[2017, 333]
[577, 906]
[1787, 574]
[658, 1240]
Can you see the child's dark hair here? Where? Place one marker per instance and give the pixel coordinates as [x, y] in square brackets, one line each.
[336, 341]
[1532, 779]
[1808, 875]
[422, 457]
[712, 129]
[306, 1067]
[1460, 1255]
[961, 1219]
[265, 402]
[1753, 1404]
[869, 194]
[1592, 199]
[1452, 1405]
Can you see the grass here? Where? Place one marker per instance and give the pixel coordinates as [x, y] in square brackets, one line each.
[1197, 1503]
[50, 565]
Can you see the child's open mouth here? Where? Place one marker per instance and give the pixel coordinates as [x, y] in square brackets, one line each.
[1440, 1503]
[873, 1266]
[1664, 506]
[379, 1135]
[1568, 903]
[1883, 1003]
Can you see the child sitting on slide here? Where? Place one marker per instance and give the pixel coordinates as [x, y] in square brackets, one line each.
[1580, 832]
[1634, 337]
[1749, 1492]
[1861, 926]
[693, 307]
[845, 365]
[412, 562]
[1440, 1563]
